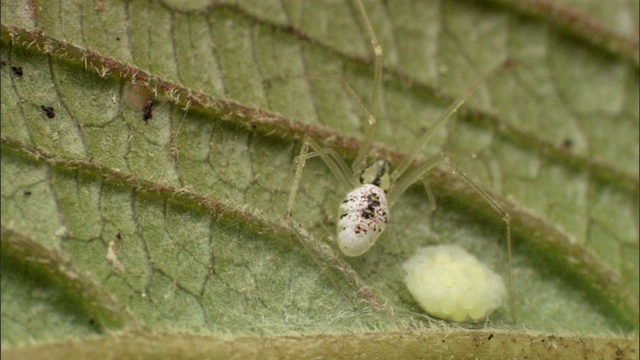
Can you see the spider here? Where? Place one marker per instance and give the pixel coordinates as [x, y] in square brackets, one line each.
[372, 187]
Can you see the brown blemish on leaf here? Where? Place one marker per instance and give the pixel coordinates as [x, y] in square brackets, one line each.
[136, 96]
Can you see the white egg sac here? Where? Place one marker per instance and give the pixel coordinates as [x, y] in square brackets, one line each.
[451, 284]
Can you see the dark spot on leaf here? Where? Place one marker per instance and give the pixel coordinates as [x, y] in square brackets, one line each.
[17, 70]
[148, 111]
[48, 110]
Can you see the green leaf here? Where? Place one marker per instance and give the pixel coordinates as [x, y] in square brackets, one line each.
[137, 237]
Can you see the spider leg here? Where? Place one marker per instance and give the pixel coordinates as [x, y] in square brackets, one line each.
[375, 92]
[403, 183]
[503, 215]
[441, 120]
[333, 161]
[423, 214]
[430, 198]
[300, 161]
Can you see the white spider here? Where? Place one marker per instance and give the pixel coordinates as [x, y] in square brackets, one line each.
[372, 188]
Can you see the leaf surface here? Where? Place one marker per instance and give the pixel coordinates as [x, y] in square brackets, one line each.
[114, 227]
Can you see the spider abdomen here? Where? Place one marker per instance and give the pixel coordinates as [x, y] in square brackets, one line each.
[363, 217]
